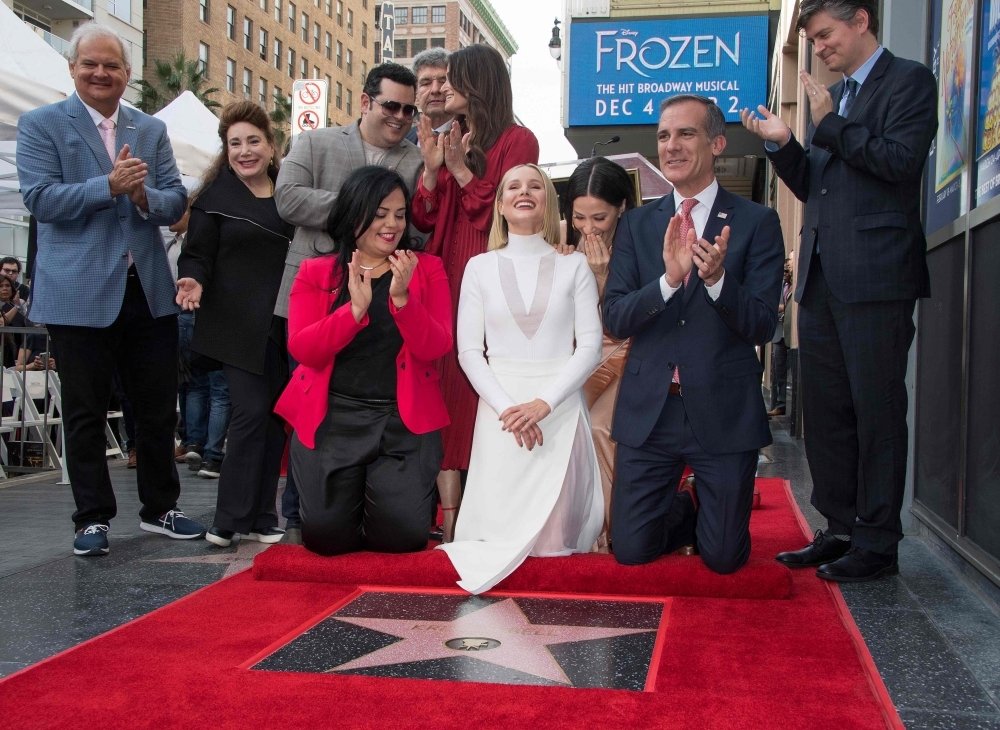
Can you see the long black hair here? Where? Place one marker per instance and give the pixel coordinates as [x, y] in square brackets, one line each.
[352, 214]
[601, 178]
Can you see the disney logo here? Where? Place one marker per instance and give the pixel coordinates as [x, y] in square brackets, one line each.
[627, 32]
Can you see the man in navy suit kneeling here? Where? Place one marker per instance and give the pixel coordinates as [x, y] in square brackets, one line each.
[695, 281]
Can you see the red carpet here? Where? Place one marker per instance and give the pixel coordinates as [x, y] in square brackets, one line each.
[734, 664]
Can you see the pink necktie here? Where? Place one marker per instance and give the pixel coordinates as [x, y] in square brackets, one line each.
[687, 224]
[107, 128]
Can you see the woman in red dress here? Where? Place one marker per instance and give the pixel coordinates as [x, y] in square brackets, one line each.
[454, 199]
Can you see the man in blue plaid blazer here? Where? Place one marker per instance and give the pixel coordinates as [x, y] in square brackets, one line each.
[100, 179]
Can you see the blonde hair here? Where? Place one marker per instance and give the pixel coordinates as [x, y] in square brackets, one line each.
[550, 223]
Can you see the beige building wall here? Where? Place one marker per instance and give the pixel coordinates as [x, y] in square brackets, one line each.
[465, 22]
[339, 46]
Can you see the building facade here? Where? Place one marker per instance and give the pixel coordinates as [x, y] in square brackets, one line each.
[55, 21]
[448, 24]
[255, 49]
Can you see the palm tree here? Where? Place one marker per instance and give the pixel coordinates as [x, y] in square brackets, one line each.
[173, 78]
[281, 117]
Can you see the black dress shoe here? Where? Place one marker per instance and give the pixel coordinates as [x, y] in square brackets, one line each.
[823, 549]
[859, 565]
[437, 533]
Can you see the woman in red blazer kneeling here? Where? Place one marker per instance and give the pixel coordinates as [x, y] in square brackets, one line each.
[367, 442]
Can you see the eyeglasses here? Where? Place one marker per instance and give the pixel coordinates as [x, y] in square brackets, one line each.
[392, 108]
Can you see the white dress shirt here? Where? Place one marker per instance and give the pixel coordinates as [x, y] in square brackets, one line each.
[699, 214]
[860, 76]
[98, 117]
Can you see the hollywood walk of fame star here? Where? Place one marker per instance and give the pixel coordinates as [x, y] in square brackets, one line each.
[523, 646]
[241, 559]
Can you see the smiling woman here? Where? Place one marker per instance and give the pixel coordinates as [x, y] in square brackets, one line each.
[230, 269]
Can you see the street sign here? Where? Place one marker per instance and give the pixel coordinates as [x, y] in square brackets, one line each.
[309, 103]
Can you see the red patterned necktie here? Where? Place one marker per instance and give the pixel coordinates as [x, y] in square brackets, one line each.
[687, 224]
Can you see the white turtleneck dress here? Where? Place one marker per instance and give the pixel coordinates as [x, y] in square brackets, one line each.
[528, 327]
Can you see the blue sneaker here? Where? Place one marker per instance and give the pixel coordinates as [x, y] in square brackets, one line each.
[91, 540]
[174, 524]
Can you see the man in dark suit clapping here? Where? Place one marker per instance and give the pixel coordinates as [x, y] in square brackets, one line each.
[861, 268]
[694, 280]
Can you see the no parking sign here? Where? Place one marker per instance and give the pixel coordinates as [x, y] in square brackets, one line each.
[309, 101]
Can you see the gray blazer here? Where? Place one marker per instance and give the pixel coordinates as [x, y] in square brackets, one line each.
[308, 184]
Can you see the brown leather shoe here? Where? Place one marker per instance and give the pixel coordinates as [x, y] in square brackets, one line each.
[131, 459]
[779, 411]
[179, 453]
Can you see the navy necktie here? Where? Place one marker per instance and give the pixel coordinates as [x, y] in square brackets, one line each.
[850, 95]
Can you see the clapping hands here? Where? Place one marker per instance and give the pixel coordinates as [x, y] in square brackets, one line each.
[129, 176]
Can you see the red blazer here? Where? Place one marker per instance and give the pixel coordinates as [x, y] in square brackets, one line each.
[316, 335]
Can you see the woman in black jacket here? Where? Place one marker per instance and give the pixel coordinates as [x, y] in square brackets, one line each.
[230, 270]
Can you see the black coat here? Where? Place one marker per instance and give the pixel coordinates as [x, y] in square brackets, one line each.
[235, 248]
[860, 180]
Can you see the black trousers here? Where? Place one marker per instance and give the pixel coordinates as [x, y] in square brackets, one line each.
[290, 497]
[649, 519]
[854, 410]
[255, 444]
[144, 350]
[779, 373]
[369, 483]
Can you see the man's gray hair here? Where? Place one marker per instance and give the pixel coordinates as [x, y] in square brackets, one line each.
[91, 30]
[431, 57]
[715, 120]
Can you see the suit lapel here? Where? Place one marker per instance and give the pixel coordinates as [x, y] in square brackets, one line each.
[80, 117]
[355, 149]
[719, 217]
[126, 133]
[664, 212]
[395, 155]
[870, 86]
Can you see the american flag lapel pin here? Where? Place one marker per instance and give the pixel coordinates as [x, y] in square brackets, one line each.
[723, 215]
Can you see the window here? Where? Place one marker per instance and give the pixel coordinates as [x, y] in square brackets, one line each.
[418, 15]
[364, 4]
[277, 54]
[203, 15]
[339, 99]
[305, 27]
[262, 42]
[291, 63]
[437, 42]
[364, 35]
[303, 68]
[350, 95]
[277, 10]
[230, 74]
[417, 45]
[438, 13]
[329, 8]
[291, 17]
[401, 16]
[262, 91]
[231, 22]
[399, 49]
[263, 6]
[315, 72]
[121, 9]
[277, 97]
[328, 47]
[247, 34]
[316, 36]
[329, 85]
[203, 59]
[364, 72]
[340, 54]
[350, 62]
[340, 13]
[350, 22]
[247, 83]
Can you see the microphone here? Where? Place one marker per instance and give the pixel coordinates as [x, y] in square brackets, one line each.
[613, 140]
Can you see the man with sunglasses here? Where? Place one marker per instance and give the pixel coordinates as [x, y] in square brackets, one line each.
[310, 179]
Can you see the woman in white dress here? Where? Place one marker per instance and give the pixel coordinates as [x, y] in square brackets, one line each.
[529, 336]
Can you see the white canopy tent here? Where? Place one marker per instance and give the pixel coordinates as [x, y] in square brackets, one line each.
[194, 134]
[34, 73]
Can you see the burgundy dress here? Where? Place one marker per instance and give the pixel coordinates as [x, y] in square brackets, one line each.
[460, 219]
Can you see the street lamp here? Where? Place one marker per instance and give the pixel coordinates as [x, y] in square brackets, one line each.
[555, 43]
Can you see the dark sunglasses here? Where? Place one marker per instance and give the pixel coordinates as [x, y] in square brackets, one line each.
[392, 108]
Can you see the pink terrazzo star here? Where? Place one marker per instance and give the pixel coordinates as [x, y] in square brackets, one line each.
[522, 644]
